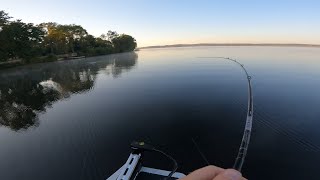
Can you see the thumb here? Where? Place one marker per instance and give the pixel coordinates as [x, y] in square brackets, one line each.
[229, 174]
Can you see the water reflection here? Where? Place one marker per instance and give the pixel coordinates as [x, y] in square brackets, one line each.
[27, 91]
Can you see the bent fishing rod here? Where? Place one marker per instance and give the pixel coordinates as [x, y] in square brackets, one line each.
[131, 169]
[248, 126]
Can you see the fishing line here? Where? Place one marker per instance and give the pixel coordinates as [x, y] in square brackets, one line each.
[200, 152]
[248, 126]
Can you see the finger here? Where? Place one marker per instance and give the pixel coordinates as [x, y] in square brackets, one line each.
[206, 173]
[229, 174]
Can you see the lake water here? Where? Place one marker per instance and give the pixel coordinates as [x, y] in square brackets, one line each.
[75, 119]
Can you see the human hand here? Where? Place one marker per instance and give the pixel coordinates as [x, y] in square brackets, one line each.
[214, 173]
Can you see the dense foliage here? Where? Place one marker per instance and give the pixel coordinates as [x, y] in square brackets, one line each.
[50, 41]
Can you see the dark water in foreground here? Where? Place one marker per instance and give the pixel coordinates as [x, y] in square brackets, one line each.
[76, 119]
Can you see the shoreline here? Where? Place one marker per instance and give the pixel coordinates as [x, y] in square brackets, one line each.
[231, 44]
[19, 63]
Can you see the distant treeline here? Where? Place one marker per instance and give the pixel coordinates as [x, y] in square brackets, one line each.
[232, 44]
[28, 43]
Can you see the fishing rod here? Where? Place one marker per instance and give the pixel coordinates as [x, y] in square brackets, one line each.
[248, 126]
[133, 168]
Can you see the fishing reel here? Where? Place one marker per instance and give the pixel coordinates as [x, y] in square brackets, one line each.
[134, 170]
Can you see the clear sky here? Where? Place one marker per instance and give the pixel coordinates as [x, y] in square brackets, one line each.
[159, 22]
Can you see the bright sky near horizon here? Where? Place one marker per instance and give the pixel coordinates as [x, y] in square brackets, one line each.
[160, 22]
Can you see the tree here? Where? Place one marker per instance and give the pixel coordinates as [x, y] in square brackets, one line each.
[42, 42]
[111, 35]
[72, 33]
[83, 44]
[18, 40]
[124, 43]
[51, 37]
[104, 37]
[62, 38]
[4, 18]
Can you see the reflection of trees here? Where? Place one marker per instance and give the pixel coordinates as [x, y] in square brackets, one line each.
[117, 67]
[24, 92]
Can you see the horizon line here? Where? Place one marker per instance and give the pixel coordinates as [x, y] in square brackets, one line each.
[231, 44]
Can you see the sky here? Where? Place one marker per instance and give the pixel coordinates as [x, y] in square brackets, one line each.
[161, 22]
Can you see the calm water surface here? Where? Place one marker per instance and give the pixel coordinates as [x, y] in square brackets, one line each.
[76, 119]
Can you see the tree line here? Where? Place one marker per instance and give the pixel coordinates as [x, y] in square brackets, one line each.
[50, 41]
